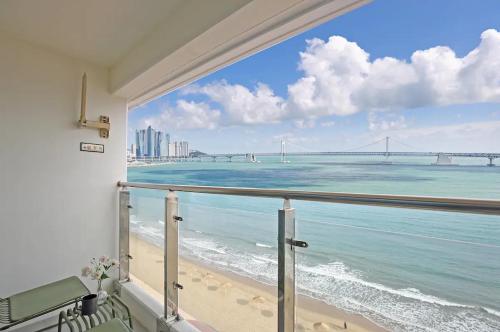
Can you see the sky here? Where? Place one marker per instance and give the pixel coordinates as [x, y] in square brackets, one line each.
[424, 72]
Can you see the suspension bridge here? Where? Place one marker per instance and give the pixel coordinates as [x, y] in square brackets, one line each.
[442, 158]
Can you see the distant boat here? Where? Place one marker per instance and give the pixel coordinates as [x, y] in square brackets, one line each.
[250, 157]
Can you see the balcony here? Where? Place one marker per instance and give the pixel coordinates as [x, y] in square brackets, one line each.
[58, 176]
[266, 276]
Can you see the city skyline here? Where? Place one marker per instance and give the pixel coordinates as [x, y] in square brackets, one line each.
[432, 82]
[150, 143]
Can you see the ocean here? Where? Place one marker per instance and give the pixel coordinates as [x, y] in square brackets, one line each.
[406, 270]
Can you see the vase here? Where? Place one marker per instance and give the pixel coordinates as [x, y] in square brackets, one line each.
[102, 295]
[89, 304]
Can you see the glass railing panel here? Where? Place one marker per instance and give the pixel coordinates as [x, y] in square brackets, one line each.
[146, 241]
[400, 269]
[228, 262]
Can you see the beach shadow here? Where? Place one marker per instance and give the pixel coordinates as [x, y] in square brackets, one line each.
[267, 313]
[196, 280]
[159, 261]
[212, 288]
[242, 301]
[182, 273]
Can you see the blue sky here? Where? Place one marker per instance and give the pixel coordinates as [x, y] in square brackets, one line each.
[426, 73]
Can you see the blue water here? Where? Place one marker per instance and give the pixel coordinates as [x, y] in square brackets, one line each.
[406, 270]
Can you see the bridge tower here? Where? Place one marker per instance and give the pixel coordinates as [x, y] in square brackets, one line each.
[491, 162]
[387, 146]
[283, 151]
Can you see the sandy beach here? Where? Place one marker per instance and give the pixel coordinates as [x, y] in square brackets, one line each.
[222, 301]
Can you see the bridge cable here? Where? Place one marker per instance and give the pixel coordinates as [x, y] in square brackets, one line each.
[406, 144]
[362, 146]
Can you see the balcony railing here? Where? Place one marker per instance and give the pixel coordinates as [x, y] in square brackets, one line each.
[286, 241]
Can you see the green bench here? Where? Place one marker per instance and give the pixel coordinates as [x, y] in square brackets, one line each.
[111, 315]
[39, 301]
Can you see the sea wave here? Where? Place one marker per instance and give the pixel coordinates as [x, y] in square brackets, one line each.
[405, 309]
[492, 312]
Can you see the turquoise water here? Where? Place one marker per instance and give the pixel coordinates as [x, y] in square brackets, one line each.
[404, 269]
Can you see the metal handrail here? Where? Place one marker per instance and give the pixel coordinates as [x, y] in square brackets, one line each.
[286, 231]
[463, 205]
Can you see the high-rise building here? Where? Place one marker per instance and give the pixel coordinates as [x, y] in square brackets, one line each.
[184, 149]
[140, 142]
[158, 140]
[171, 150]
[177, 149]
[133, 151]
[150, 143]
[165, 146]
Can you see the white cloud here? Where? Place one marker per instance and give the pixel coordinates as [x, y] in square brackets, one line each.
[187, 115]
[242, 105]
[328, 124]
[384, 122]
[304, 123]
[292, 139]
[341, 79]
[332, 71]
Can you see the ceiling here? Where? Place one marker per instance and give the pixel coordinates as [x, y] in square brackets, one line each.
[99, 31]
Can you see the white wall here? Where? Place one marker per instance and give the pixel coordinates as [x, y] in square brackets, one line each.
[58, 206]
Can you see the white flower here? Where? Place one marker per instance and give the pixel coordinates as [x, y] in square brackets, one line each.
[104, 259]
[86, 271]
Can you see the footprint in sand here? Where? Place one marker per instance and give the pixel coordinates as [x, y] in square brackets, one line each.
[325, 327]
[182, 273]
[242, 301]
[208, 278]
[300, 328]
[258, 299]
[226, 287]
[212, 288]
[266, 313]
[196, 280]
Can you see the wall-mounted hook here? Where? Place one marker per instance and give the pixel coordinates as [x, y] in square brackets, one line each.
[103, 124]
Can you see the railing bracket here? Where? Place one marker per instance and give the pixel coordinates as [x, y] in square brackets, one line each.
[130, 206]
[177, 218]
[297, 243]
[178, 286]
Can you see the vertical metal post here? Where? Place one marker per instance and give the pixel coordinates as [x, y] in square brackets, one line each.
[286, 268]
[171, 300]
[124, 234]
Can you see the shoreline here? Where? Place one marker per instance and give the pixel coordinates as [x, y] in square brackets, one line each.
[152, 164]
[233, 302]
